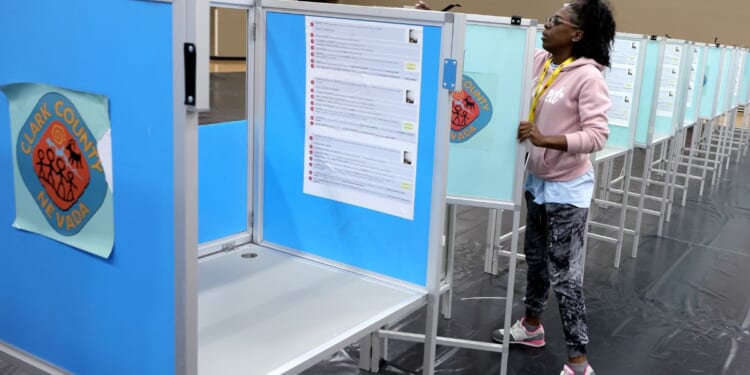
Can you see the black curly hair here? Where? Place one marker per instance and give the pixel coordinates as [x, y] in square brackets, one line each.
[594, 18]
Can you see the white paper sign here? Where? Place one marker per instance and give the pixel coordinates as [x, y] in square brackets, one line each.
[362, 113]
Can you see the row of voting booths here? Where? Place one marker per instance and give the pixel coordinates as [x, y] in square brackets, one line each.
[328, 213]
[677, 101]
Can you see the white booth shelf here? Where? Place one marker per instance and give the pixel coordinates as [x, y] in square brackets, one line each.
[660, 137]
[276, 312]
[609, 152]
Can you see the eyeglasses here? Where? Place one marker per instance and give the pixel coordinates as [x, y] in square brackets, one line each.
[557, 20]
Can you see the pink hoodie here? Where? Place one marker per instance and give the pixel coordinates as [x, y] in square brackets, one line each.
[576, 106]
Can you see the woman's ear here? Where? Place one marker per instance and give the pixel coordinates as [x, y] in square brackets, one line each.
[577, 36]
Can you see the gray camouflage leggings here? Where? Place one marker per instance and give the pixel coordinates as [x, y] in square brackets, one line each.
[554, 254]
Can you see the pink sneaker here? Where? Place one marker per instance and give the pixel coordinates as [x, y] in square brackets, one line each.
[520, 335]
[569, 371]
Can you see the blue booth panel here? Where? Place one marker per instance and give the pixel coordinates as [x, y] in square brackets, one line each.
[86, 314]
[386, 244]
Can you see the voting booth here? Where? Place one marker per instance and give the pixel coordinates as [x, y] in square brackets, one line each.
[486, 170]
[624, 81]
[732, 136]
[485, 164]
[700, 109]
[674, 90]
[707, 154]
[348, 186]
[659, 112]
[722, 129]
[691, 123]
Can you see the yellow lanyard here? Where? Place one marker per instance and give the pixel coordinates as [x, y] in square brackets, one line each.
[543, 85]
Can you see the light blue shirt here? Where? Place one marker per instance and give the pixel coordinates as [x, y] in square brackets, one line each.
[577, 192]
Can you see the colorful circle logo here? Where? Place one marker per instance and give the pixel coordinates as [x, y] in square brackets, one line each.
[59, 163]
[471, 112]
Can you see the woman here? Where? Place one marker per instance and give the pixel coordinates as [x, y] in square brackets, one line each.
[568, 121]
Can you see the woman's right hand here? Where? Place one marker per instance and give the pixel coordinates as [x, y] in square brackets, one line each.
[422, 5]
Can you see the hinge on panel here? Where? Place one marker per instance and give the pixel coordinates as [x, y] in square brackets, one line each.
[251, 31]
[515, 20]
[251, 226]
[228, 246]
[190, 73]
[233, 245]
[450, 68]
